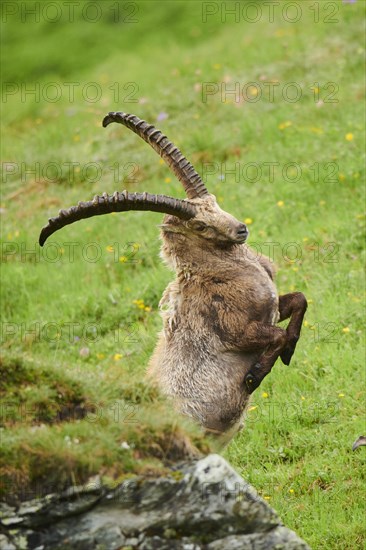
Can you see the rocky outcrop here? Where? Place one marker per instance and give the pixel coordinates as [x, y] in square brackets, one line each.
[201, 505]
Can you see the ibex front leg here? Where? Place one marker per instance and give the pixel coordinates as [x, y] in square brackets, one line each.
[276, 341]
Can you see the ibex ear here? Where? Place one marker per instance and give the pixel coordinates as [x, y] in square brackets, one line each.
[171, 224]
[170, 227]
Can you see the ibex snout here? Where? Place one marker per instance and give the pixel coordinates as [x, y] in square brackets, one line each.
[242, 232]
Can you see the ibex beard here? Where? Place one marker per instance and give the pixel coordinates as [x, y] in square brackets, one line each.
[220, 338]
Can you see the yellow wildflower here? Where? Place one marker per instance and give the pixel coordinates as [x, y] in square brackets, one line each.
[109, 248]
[252, 408]
[349, 136]
[123, 259]
[284, 125]
[280, 204]
[346, 330]
[280, 33]
[253, 91]
[117, 356]
[341, 395]
[167, 180]
[248, 221]
[264, 395]
[316, 130]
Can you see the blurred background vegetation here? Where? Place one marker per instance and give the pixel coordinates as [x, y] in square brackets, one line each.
[79, 323]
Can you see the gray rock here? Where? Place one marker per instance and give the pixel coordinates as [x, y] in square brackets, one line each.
[203, 505]
[279, 538]
[5, 544]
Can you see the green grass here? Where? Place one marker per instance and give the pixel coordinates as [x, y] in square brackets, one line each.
[77, 334]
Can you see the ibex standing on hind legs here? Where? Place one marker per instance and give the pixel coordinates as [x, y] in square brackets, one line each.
[219, 339]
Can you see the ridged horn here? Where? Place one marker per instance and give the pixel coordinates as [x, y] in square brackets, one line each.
[118, 202]
[182, 168]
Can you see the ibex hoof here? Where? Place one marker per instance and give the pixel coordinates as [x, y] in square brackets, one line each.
[252, 381]
[249, 383]
[289, 350]
[286, 356]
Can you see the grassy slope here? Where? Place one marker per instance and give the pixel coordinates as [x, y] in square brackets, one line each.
[304, 418]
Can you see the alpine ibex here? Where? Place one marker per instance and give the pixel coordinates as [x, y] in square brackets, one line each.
[219, 339]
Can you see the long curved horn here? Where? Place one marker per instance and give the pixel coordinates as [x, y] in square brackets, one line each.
[181, 167]
[118, 202]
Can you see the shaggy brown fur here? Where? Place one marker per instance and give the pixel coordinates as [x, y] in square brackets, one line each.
[220, 337]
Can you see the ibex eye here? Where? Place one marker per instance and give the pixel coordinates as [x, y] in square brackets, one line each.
[199, 227]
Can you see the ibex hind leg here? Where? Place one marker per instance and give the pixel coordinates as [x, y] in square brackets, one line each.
[280, 343]
[270, 339]
[292, 305]
[276, 344]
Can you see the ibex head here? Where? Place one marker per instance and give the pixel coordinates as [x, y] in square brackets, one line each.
[209, 223]
[197, 217]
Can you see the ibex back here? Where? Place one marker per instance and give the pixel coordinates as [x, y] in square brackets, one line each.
[220, 337]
